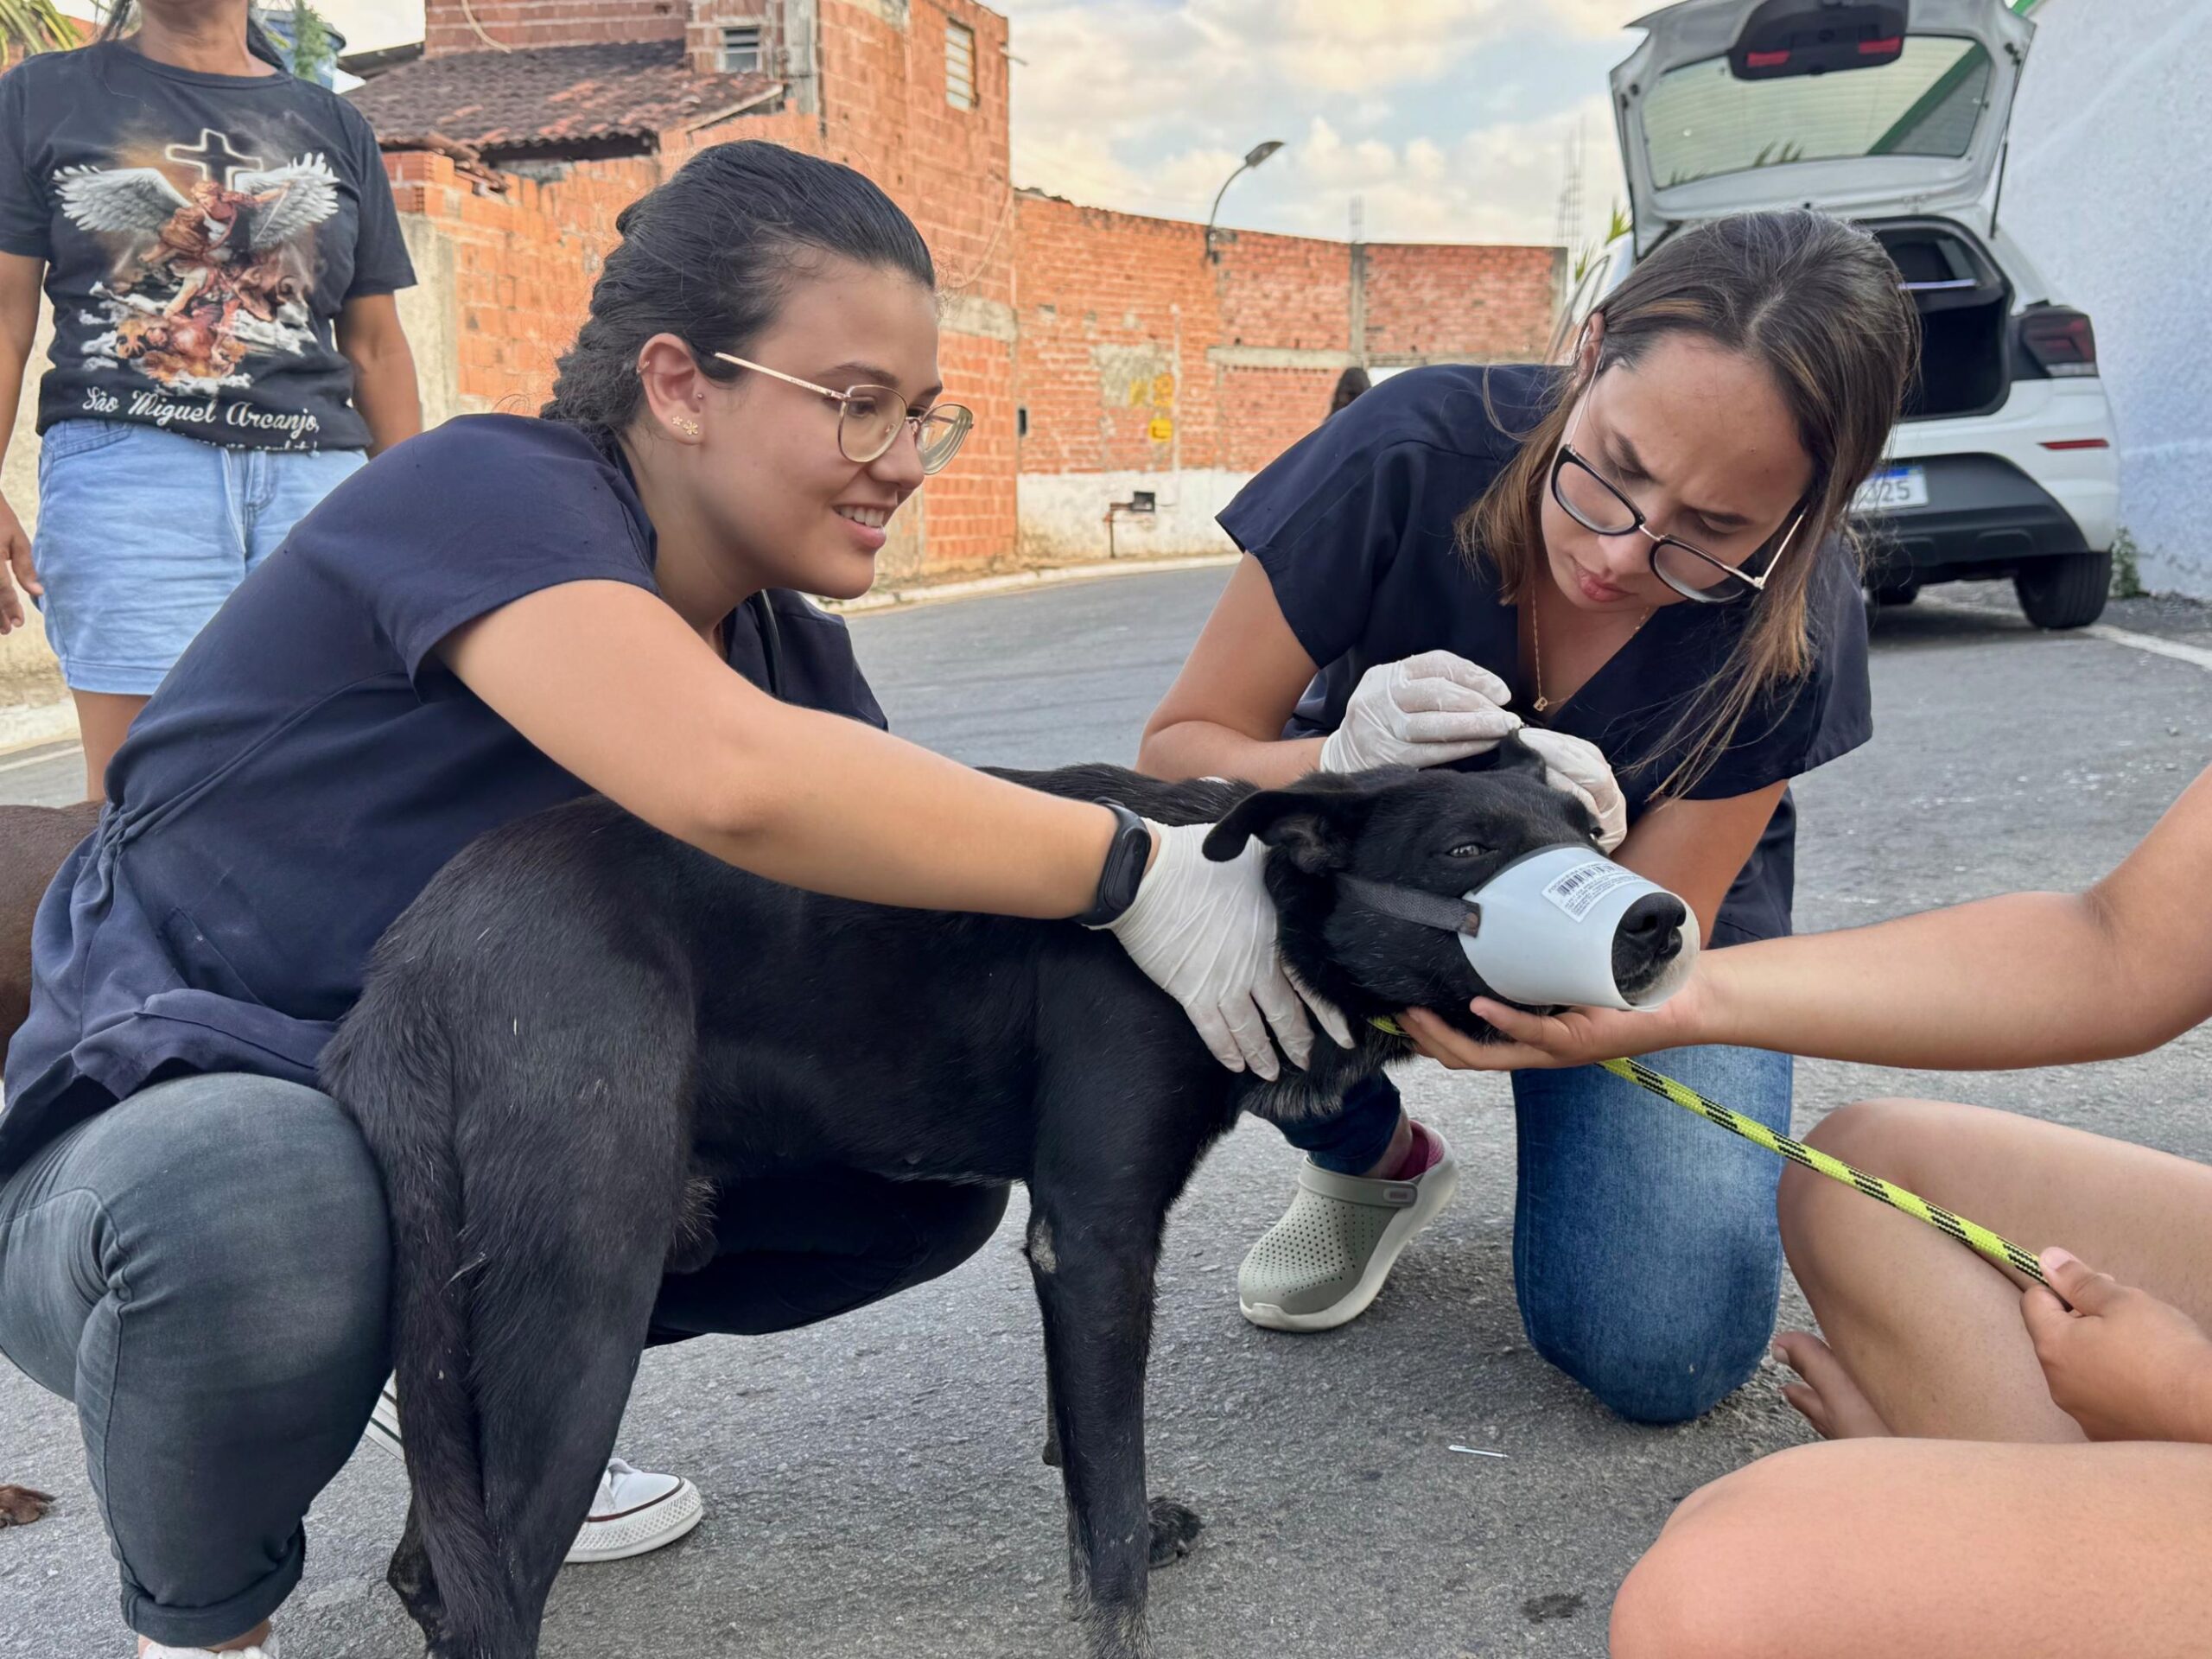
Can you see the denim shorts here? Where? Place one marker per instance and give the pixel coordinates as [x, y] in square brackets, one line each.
[143, 534]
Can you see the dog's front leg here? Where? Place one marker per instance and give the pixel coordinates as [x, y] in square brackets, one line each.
[1094, 1282]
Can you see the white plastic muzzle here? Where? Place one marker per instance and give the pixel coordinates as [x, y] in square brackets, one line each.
[1549, 923]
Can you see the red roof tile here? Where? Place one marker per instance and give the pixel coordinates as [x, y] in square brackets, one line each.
[546, 99]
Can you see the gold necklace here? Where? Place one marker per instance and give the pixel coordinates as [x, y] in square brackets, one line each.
[1536, 644]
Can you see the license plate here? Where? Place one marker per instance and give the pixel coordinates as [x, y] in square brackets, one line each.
[1892, 488]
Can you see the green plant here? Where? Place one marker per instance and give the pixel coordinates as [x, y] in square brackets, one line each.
[312, 51]
[28, 26]
[2126, 568]
[1616, 227]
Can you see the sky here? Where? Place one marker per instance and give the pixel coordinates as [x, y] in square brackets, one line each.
[1447, 120]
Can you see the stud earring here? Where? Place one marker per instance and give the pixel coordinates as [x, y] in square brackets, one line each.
[685, 424]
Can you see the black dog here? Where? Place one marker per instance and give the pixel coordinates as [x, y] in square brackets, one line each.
[580, 1017]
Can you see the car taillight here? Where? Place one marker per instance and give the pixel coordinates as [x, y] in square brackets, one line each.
[2061, 341]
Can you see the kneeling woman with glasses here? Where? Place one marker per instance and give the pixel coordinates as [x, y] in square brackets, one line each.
[1637, 562]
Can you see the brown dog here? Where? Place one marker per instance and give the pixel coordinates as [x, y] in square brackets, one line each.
[33, 840]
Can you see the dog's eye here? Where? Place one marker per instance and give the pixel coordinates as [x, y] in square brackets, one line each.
[1469, 849]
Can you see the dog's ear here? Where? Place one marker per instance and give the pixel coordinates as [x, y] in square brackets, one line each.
[1313, 822]
[1514, 755]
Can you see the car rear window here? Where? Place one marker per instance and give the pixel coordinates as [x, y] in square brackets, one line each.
[1701, 122]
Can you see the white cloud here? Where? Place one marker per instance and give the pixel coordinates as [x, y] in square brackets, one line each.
[1188, 84]
[369, 24]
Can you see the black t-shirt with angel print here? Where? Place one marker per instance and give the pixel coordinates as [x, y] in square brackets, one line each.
[201, 233]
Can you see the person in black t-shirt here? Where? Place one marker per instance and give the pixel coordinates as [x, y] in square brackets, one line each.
[1635, 562]
[221, 249]
[500, 616]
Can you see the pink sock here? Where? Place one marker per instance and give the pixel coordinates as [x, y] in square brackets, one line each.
[1420, 1156]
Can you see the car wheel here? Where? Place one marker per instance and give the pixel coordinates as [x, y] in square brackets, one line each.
[2065, 592]
[1901, 592]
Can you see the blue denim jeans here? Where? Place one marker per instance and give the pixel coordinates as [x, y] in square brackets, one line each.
[143, 533]
[204, 1269]
[1646, 1257]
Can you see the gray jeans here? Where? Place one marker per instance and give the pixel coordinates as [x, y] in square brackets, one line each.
[203, 1270]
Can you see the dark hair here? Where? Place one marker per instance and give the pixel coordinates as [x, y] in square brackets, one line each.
[122, 13]
[1349, 385]
[1819, 305]
[709, 256]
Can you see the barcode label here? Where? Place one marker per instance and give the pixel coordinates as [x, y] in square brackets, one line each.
[1577, 891]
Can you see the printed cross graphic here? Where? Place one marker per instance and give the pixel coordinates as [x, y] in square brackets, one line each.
[215, 157]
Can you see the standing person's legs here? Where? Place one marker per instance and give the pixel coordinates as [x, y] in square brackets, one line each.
[203, 1271]
[1645, 1254]
[140, 540]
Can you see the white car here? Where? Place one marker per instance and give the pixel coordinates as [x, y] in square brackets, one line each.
[1895, 116]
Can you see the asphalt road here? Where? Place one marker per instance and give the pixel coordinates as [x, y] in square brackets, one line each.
[873, 1485]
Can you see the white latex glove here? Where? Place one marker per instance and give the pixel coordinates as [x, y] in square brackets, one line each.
[1205, 932]
[1420, 711]
[1580, 768]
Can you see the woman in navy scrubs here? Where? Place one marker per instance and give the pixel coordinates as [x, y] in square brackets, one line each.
[1638, 563]
[490, 618]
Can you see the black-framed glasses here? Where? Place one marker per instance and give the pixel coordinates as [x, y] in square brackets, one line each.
[1596, 503]
[868, 419]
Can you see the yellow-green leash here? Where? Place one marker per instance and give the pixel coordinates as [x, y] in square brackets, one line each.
[1974, 1236]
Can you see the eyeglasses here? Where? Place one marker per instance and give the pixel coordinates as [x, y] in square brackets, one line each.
[1598, 506]
[868, 419]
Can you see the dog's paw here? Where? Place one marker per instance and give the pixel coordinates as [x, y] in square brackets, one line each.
[20, 1505]
[1175, 1528]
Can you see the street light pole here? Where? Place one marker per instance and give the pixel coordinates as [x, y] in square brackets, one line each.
[1253, 157]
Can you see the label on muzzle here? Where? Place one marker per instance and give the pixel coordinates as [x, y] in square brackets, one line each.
[1578, 891]
[1565, 926]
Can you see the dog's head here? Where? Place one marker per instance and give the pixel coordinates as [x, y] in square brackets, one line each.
[1441, 833]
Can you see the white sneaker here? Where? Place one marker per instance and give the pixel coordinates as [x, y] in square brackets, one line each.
[266, 1650]
[634, 1512]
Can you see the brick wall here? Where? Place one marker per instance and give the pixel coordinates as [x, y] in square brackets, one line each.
[1141, 364]
[523, 263]
[1137, 359]
[517, 23]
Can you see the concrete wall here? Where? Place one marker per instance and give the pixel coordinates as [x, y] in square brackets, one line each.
[2107, 192]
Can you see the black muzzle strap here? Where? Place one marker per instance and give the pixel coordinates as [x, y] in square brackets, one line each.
[1415, 905]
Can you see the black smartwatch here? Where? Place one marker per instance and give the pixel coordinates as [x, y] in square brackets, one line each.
[1123, 871]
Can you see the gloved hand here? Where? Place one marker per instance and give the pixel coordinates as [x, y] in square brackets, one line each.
[1420, 711]
[1205, 932]
[1580, 768]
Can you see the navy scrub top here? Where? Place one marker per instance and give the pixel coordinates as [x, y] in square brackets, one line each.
[310, 763]
[1356, 527]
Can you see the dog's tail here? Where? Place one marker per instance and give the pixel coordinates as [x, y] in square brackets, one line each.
[397, 1079]
[533, 1168]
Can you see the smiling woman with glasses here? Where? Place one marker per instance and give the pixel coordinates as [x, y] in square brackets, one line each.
[1637, 562]
[498, 616]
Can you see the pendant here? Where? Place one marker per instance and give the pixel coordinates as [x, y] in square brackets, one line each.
[1543, 704]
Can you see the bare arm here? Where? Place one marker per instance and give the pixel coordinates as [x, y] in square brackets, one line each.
[384, 391]
[1223, 716]
[2026, 980]
[19, 276]
[609, 683]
